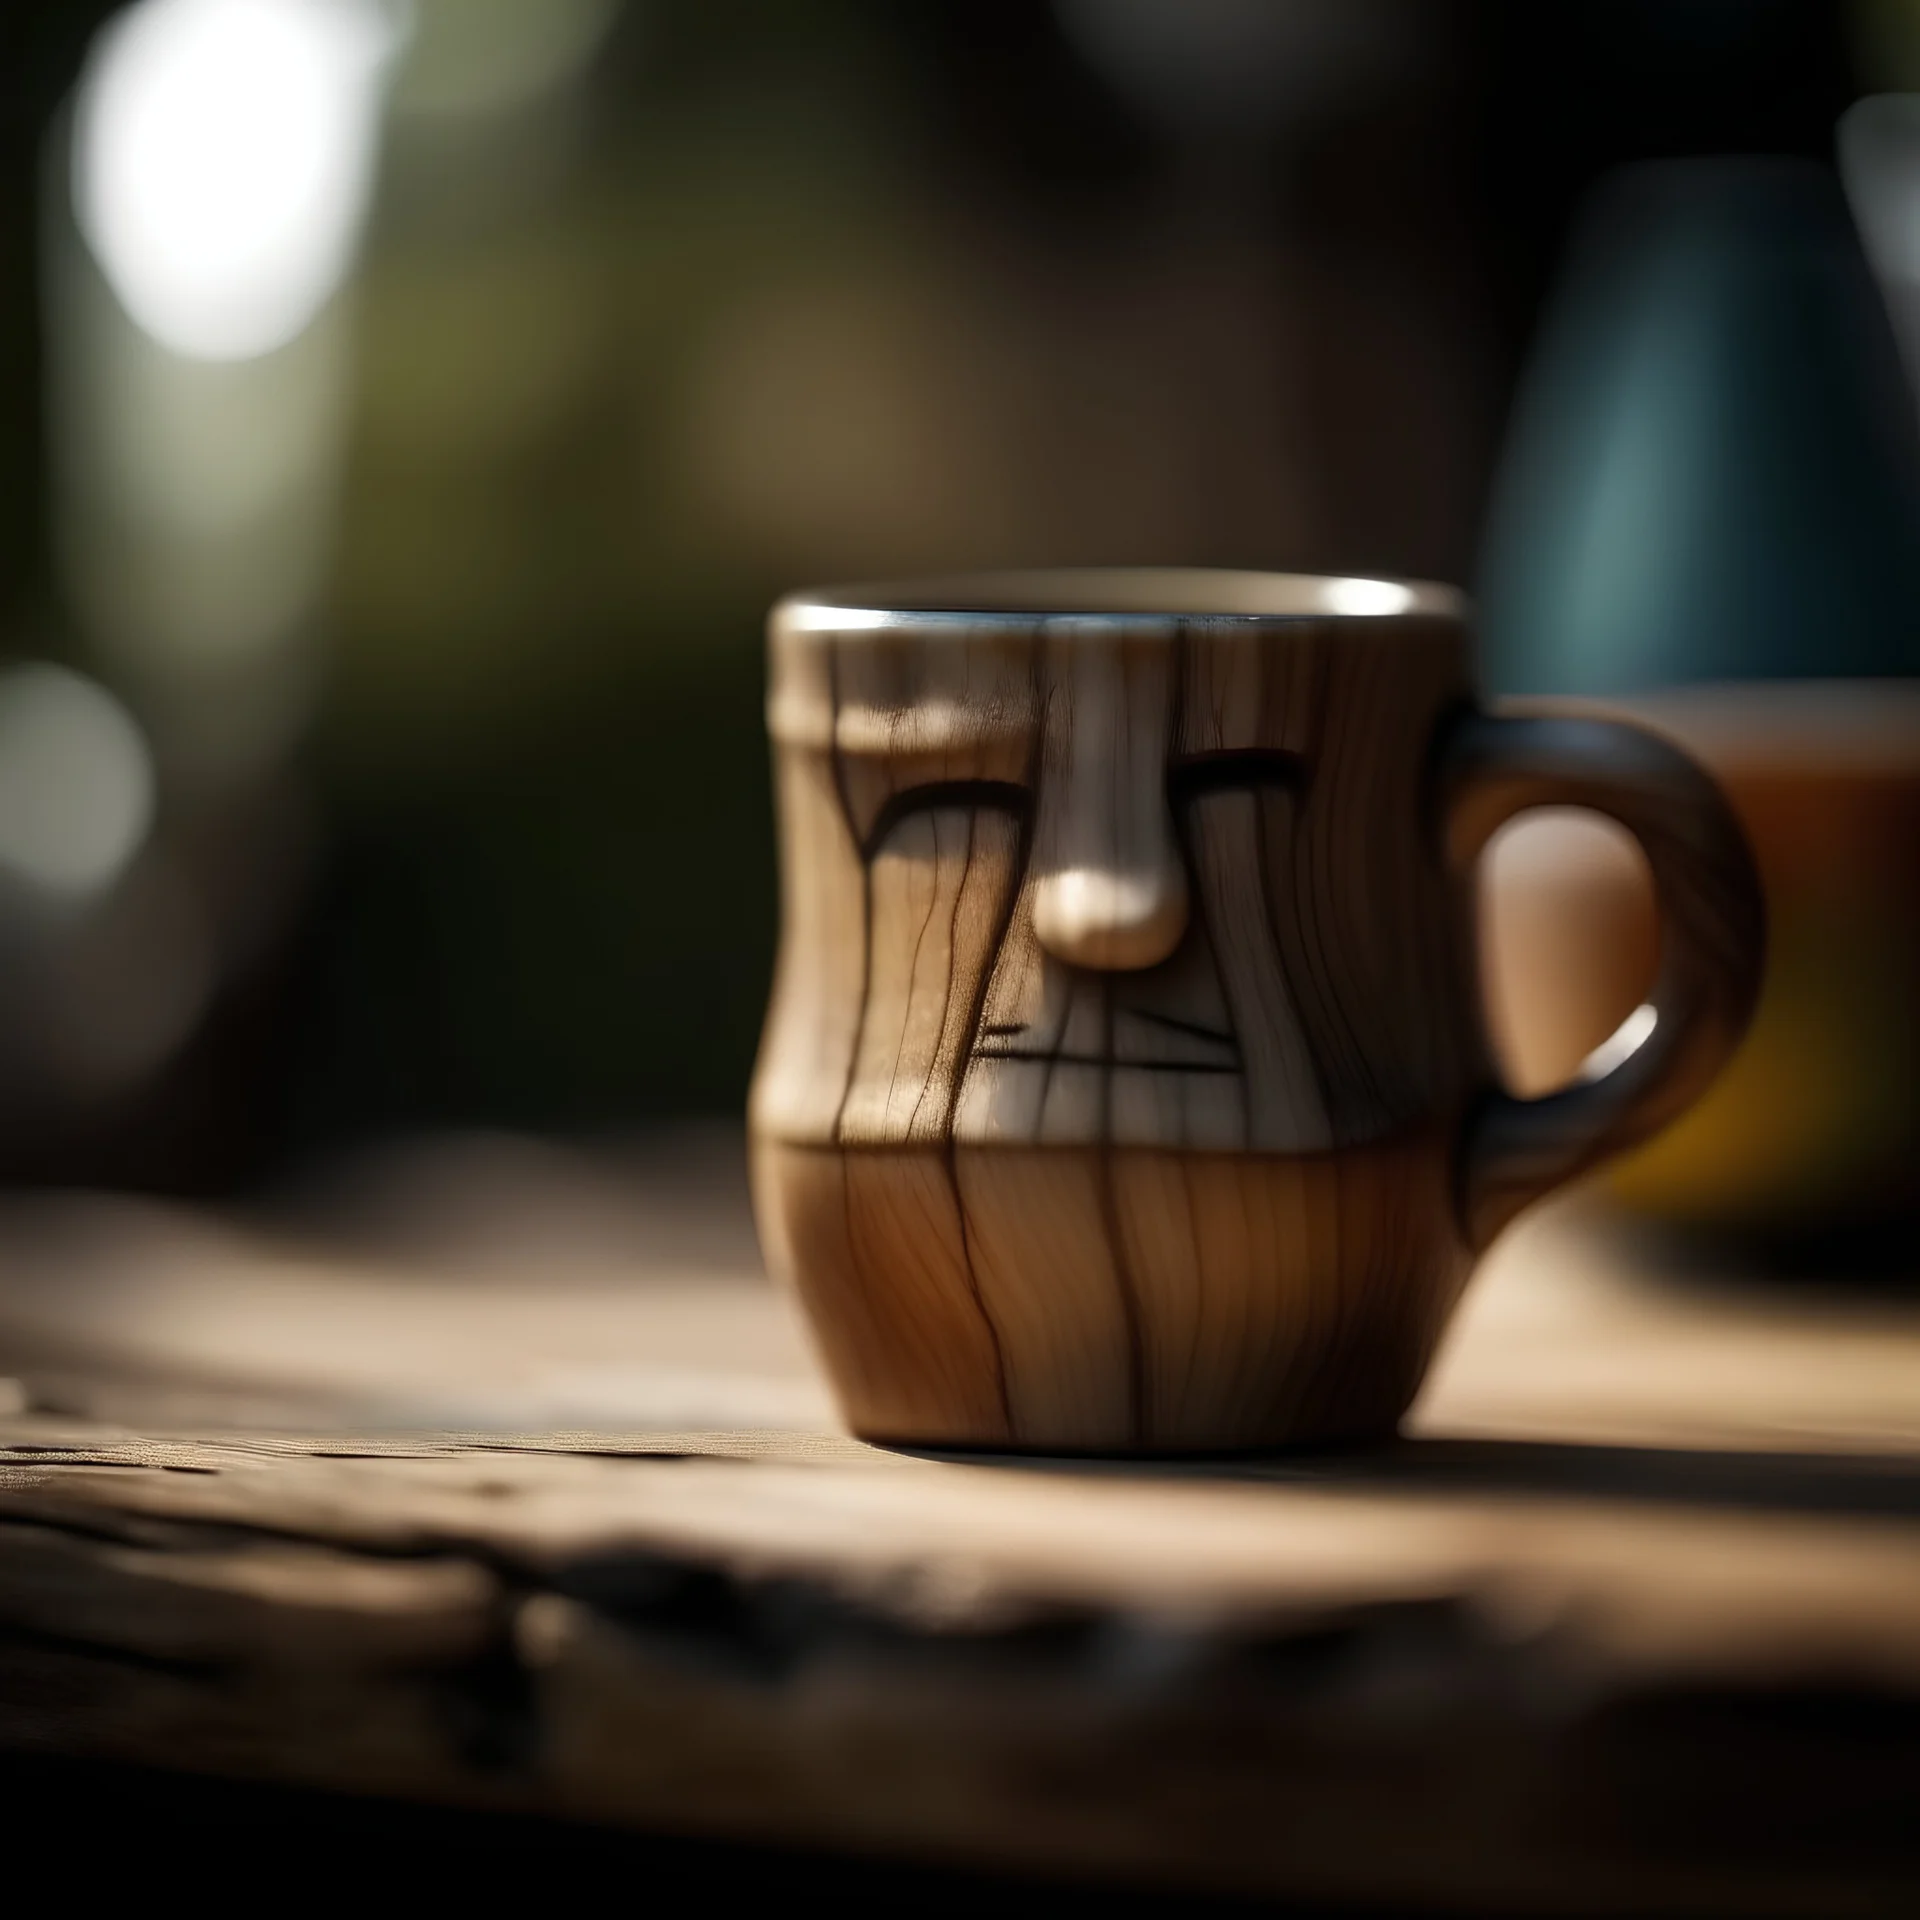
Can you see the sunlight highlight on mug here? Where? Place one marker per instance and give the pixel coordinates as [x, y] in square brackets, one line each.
[1368, 596]
[1621, 1045]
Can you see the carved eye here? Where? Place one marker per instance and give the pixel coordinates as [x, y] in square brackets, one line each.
[936, 796]
[1240, 767]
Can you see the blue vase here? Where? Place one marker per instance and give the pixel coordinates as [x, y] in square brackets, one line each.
[1713, 471]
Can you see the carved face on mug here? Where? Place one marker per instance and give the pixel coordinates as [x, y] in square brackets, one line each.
[1072, 882]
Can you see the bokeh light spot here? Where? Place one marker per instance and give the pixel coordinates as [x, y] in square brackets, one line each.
[76, 782]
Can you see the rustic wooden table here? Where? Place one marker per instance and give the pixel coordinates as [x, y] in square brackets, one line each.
[499, 1478]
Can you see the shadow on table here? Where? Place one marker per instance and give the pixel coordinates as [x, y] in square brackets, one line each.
[1860, 1484]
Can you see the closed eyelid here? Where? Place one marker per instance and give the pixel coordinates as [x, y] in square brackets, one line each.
[1001, 796]
[1236, 767]
[919, 755]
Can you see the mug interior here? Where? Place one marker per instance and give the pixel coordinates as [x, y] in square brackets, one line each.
[1119, 592]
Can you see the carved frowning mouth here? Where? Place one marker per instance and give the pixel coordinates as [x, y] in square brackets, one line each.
[1011, 1043]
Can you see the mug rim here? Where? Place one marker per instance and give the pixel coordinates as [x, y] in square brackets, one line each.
[1029, 596]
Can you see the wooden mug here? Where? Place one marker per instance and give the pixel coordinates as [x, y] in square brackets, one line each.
[1125, 1085]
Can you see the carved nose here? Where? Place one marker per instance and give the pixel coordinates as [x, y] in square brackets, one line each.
[1110, 889]
[1116, 920]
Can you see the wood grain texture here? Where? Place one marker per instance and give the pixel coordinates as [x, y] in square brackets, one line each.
[1186, 1301]
[1097, 923]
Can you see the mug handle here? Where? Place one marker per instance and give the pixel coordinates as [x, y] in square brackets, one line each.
[1712, 940]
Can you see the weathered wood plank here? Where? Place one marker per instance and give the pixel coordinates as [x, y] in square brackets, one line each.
[178, 1596]
[1630, 1619]
[1331, 1696]
[1636, 1588]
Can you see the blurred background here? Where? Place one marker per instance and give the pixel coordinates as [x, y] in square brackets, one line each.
[408, 409]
